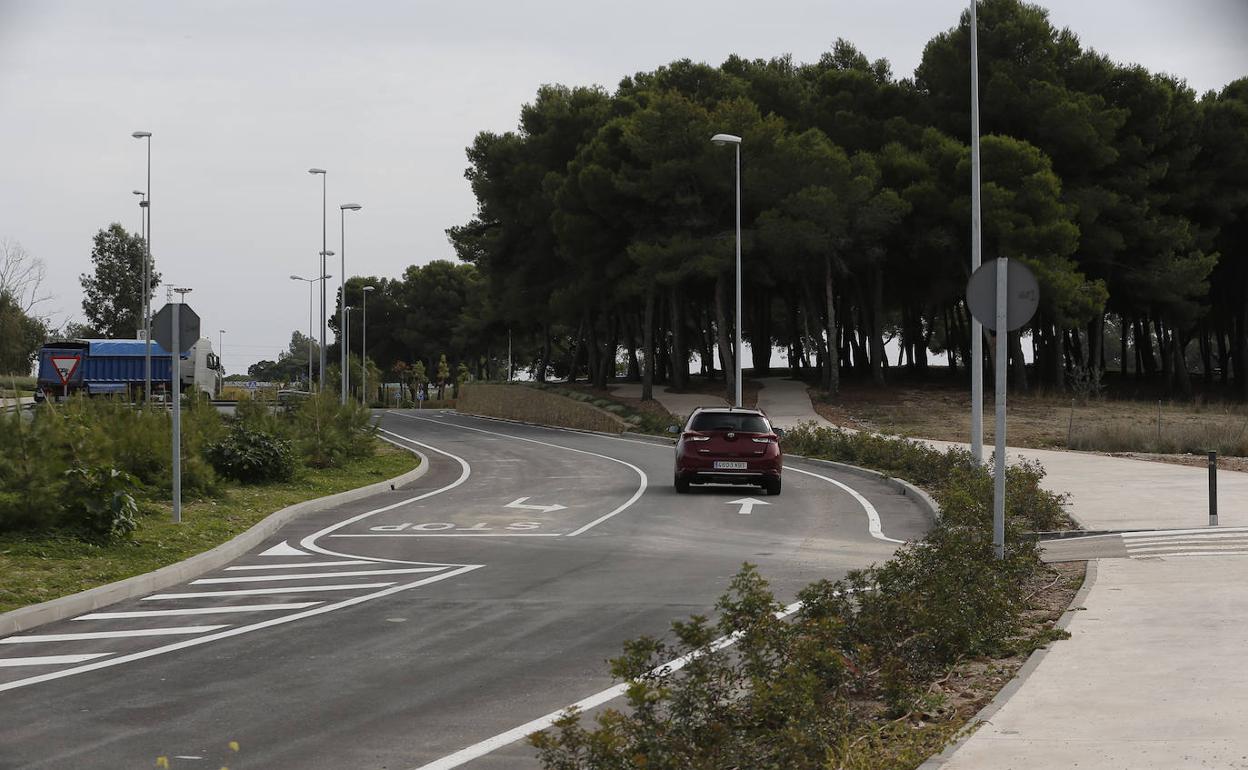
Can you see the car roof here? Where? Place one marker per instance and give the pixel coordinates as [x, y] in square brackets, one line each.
[727, 410]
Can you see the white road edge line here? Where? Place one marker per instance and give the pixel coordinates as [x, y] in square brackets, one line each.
[640, 473]
[238, 631]
[1164, 555]
[488, 745]
[196, 611]
[454, 534]
[873, 516]
[48, 660]
[309, 542]
[1169, 532]
[338, 563]
[121, 634]
[312, 576]
[265, 591]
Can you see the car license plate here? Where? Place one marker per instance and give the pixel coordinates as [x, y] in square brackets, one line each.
[729, 465]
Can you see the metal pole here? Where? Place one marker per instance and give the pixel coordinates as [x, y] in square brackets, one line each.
[1213, 489]
[738, 316]
[977, 330]
[998, 497]
[509, 355]
[147, 279]
[175, 377]
[324, 249]
[311, 312]
[342, 301]
[346, 342]
[364, 355]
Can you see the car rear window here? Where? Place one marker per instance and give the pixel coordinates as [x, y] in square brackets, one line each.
[743, 423]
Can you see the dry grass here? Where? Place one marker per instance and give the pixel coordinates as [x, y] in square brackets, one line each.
[530, 404]
[942, 411]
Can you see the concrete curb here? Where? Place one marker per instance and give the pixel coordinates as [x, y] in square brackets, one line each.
[26, 618]
[1005, 693]
[902, 486]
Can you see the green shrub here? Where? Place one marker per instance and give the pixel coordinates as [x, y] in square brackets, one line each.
[252, 457]
[328, 434]
[99, 502]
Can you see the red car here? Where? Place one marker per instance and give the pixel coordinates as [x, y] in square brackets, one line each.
[725, 445]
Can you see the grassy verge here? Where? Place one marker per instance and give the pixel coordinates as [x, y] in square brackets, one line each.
[39, 566]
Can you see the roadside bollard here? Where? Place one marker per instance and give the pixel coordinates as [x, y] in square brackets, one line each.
[1213, 489]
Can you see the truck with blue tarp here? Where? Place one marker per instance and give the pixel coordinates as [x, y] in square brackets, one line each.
[99, 367]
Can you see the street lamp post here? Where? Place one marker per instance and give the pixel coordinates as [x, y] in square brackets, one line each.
[311, 313]
[143, 273]
[735, 141]
[147, 271]
[364, 349]
[346, 343]
[220, 344]
[324, 253]
[977, 333]
[342, 289]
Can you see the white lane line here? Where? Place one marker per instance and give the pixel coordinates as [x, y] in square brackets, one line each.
[182, 631]
[283, 549]
[48, 660]
[309, 542]
[455, 534]
[477, 750]
[313, 575]
[1133, 548]
[237, 631]
[873, 516]
[1169, 532]
[641, 488]
[196, 611]
[264, 591]
[1189, 538]
[301, 566]
[1188, 553]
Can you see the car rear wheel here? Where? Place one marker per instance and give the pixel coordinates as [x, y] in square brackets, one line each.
[772, 486]
[682, 485]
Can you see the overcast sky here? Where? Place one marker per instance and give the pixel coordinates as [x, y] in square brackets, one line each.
[243, 97]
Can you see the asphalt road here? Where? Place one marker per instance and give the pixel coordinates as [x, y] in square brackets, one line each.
[399, 630]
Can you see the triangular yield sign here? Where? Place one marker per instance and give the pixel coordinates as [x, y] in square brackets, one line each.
[65, 366]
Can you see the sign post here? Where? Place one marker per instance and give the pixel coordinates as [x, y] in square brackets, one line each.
[176, 328]
[1002, 295]
[65, 367]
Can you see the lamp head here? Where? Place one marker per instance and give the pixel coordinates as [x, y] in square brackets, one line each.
[369, 288]
[142, 134]
[316, 171]
[139, 192]
[350, 207]
[327, 253]
[726, 139]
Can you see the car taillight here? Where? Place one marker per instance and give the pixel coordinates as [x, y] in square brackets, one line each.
[763, 440]
[692, 437]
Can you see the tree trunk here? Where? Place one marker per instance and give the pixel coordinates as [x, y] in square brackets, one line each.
[1096, 342]
[647, 347]
[1241, 347]
[680, 355]
[1122, 365]
[634, 368]
[877, 325]
[1059, 359]
[544, 363]
[1178, 365]
[832, 366]
[760, 335]
[721, 329]
[1015, 344]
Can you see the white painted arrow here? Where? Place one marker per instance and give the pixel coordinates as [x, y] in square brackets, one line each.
[519, 503]
[747, 505]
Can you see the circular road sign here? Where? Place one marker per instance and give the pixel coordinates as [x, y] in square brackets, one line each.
[1023, 294]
